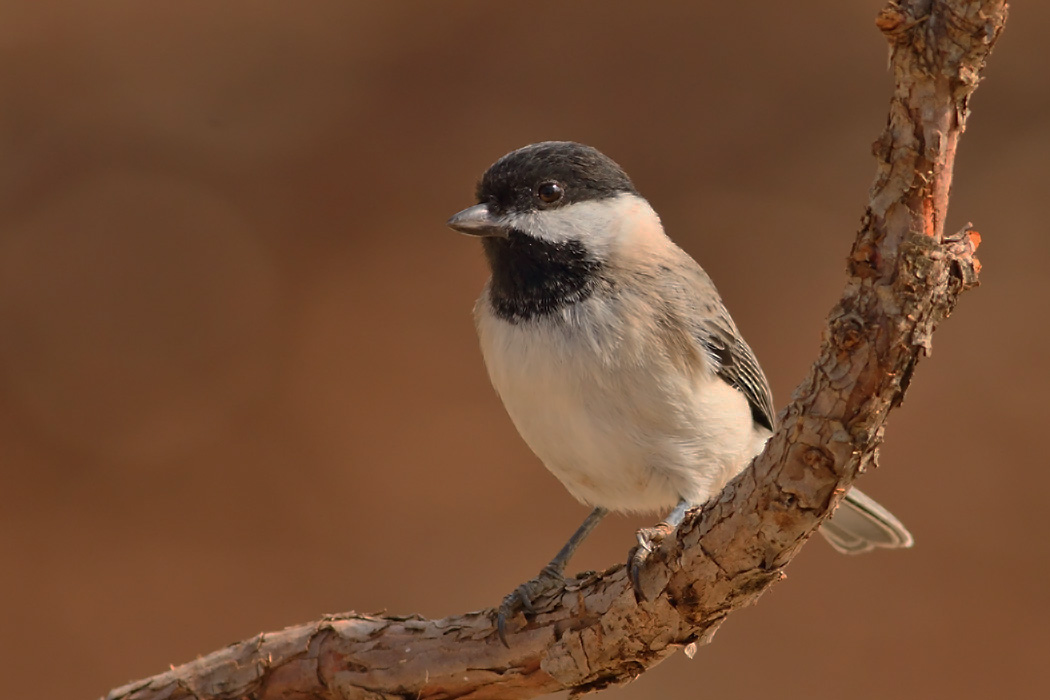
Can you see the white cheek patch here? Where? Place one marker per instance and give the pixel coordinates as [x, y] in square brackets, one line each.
[600, 225]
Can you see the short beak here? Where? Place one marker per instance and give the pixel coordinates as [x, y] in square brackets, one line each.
[477, 221]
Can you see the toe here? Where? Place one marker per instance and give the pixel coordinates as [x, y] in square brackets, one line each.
[522, 600]
[649, 538]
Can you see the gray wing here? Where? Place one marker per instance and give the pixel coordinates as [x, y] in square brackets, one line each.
[692, 294]
[736, 364]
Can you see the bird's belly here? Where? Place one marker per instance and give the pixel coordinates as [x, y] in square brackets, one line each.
[597, 456]
[585, 439]
[620, 428]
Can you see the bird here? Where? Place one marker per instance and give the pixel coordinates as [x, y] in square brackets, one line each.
[614, 355]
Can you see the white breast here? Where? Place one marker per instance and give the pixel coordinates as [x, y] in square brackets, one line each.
[619, 425]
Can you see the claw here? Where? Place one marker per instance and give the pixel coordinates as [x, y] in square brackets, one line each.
[639, 555]
[649, 538]
[501, 619]
[521, 600]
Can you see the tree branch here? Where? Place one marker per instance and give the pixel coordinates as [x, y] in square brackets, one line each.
[905, 275]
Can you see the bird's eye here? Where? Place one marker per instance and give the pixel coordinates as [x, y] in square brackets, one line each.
[550, 192]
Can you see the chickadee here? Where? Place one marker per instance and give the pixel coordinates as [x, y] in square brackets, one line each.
[614, 354]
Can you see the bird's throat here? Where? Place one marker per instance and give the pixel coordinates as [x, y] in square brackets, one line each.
[532, 277]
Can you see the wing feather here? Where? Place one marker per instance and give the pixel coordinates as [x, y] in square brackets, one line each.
[692, 297]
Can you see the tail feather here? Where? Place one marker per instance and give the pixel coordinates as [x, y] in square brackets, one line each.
[860, 525]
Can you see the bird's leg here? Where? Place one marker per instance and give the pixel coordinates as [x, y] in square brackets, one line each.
[551, 576]
[650, 537]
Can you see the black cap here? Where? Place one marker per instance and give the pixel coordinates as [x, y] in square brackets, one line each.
[512, 183]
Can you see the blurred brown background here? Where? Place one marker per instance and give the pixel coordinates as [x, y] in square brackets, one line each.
[239, 383]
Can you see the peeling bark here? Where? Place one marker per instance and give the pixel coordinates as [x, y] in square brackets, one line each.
[905, 276]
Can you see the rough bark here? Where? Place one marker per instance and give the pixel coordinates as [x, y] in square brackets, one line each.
[905, 275]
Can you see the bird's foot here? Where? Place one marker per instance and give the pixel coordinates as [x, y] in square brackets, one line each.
[524, 597]
[649, 538]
